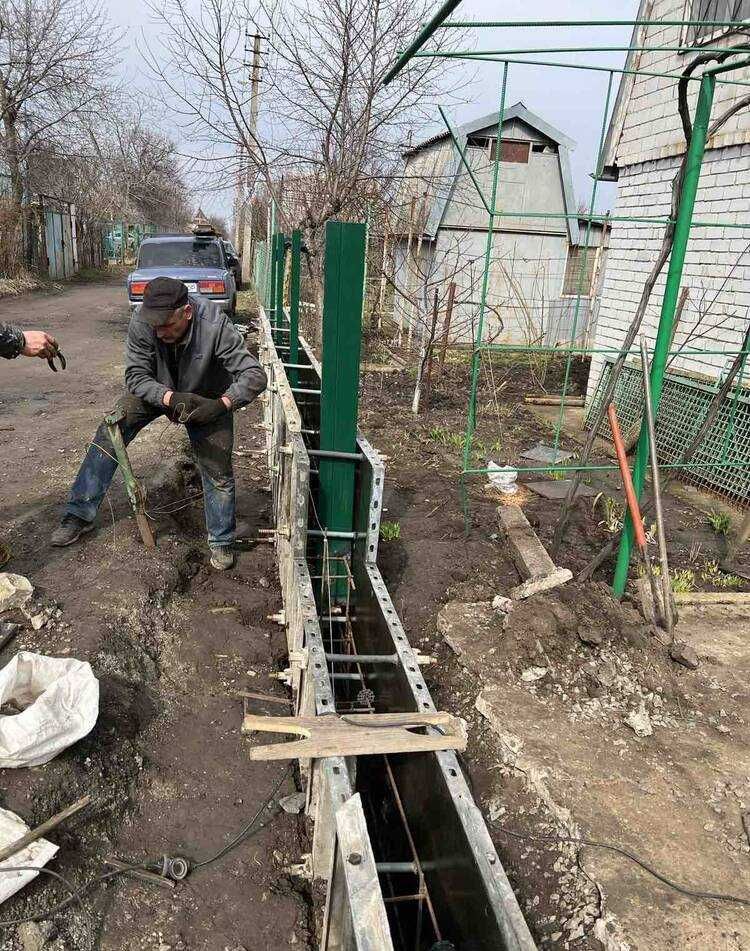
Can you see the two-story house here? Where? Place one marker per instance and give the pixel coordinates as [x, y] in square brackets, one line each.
[536, 259]
[644, 148]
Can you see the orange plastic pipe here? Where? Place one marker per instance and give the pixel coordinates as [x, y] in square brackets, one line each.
[627, 478]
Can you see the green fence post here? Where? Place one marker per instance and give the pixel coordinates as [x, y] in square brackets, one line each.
[476, 353]
[272, 279]
[281, 262]
[294, 283]
[339, 397]
[270, 246]
[669, 305]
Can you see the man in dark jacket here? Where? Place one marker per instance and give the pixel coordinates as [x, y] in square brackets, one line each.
[27, 343]
[184, 360]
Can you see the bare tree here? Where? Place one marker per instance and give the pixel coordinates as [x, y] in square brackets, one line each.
[53, 55]
[118, 167]
[331, 130]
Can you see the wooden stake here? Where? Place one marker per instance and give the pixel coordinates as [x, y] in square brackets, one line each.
[140, 873]
[554, 400]
[135, 493]
[43, 829]
[447, 322]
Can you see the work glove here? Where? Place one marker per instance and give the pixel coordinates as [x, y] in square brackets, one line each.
[208, 411]
[184, 406]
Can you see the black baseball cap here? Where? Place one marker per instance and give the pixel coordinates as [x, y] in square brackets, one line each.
[162, 297]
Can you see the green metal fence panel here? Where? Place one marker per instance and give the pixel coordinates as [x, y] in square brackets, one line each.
[260, 270]
[683, 406]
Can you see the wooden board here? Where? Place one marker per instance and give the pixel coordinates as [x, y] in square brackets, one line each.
[357, 734]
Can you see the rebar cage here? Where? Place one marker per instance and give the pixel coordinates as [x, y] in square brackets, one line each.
[431, 871]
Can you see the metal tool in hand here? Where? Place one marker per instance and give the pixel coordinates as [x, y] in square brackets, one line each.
[61, 357]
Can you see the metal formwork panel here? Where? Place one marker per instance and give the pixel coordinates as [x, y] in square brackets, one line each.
[475, 905]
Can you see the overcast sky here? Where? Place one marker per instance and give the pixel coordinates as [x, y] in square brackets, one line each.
[571, 100]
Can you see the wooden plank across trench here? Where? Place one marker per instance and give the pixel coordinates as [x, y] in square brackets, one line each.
[356, 734]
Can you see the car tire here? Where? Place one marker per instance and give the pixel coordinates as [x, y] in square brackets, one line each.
[233, 307]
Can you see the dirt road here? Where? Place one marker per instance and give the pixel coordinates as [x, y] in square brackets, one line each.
[170, 641]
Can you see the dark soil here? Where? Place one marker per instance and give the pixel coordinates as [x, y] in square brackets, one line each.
[171, 641]
[444, 553]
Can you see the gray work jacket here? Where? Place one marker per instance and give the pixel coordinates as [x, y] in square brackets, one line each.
[212, 360]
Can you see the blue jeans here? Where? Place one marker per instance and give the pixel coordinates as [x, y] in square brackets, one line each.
[212, 446]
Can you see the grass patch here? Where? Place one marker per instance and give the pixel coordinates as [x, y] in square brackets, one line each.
[720, 522]
[682, 581]
[446, 437]
[390, 531]
[712, 574]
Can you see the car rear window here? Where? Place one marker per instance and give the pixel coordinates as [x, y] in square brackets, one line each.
[180, 254]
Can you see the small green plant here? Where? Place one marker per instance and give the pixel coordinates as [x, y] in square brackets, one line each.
[556, 474]
[613, 511]
[683, 581]
[614, 517]
[390, 531]
[720, 522]
[712, 574]
[447, 437]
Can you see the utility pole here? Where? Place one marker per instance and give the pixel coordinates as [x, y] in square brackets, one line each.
[243, 222]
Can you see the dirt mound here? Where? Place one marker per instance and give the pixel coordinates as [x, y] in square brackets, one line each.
[578, 645]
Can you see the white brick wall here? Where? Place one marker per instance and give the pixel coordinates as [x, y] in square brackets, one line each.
[717, 263]
[651, 127]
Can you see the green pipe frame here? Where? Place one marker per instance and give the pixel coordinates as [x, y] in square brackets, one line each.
[425, 33]
[294, 291]
[683, 224]
[496, 24]
[476, 356]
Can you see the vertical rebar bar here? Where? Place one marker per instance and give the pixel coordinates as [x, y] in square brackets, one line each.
[583, 268]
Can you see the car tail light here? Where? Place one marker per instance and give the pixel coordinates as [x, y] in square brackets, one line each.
[138, 288]
[211, 287]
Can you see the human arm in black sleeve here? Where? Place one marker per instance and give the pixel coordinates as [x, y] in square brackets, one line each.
[12, 341]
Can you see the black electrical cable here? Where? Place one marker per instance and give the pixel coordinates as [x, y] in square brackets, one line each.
[76, 894]
[248, 830]
[47, 871]
[620, 850]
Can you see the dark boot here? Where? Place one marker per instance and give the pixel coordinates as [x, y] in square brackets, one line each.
[70, 530]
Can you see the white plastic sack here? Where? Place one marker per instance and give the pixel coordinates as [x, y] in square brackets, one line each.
[38, 854]
[61, 700]
[502, 477]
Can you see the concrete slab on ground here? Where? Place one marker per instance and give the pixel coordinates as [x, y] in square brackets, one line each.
[546, 454]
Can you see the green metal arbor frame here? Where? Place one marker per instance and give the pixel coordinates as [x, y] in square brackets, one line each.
[682, 226]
